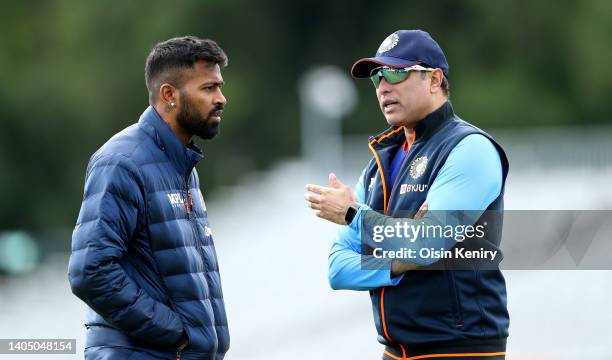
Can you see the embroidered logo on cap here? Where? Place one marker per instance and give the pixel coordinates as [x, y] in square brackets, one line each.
[388, 44]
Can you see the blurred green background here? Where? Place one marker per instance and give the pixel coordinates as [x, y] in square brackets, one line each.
[72, 76]
[536, 74]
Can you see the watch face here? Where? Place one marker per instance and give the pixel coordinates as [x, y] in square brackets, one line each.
[350, 213]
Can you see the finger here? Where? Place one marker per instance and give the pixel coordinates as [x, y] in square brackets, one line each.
[333, 181]
[313, 206]
[315, 188]
[313, 198]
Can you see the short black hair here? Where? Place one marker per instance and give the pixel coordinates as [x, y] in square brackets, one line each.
[168, 58]
[445, 86]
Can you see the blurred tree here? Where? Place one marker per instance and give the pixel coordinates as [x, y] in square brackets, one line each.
[72, 75]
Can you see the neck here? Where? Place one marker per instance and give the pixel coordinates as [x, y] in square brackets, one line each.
[434, 105]
[409, 129]
[410, 135]
[169, 118]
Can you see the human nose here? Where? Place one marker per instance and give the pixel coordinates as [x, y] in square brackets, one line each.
[220, 98]
[383, 87]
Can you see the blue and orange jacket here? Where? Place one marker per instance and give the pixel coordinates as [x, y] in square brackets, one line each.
[444, 310]
[143, 257]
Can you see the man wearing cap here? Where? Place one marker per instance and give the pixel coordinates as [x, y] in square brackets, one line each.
[430, 167]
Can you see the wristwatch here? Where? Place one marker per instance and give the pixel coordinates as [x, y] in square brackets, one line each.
[351, 212]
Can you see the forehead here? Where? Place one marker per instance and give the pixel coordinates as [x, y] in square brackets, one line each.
[203, 71]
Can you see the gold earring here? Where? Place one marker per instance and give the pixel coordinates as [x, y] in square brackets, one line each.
[172, 104]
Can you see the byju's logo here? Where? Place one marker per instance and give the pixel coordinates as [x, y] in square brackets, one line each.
[406, 188]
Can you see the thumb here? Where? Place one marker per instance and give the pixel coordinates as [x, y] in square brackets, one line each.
[334, 181]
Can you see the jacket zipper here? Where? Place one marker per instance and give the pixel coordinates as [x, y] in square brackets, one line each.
[386, 207]
[384, 188]
[395, 183]
[172, 305]
[401, 167]
[191, 216]
[382, 291]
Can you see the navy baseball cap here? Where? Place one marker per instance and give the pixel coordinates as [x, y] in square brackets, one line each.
[401, 49]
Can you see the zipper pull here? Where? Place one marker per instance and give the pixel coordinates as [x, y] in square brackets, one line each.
[187, 207]
[189, 203]
[190, 200]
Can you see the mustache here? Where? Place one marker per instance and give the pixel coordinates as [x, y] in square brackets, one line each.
[216, 111]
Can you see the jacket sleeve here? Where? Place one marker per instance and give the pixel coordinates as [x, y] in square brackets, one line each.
[112, 202]
[347, 268]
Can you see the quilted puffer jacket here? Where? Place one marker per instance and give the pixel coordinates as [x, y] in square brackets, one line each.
[143, 258]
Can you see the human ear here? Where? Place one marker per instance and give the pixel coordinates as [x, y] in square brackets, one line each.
[436, 81]
[168, 95]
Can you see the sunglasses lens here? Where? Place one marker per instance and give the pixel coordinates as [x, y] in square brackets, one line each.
[394, 76]
[376, 77]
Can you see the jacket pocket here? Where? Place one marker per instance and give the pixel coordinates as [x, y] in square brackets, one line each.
[455, 299]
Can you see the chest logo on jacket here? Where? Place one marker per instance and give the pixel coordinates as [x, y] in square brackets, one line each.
[372, 183]
[418, 166]
[176, 200]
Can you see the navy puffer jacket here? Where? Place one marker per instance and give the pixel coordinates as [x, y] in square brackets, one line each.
[143, 258]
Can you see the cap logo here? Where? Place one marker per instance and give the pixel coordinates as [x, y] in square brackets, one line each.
[388, 44]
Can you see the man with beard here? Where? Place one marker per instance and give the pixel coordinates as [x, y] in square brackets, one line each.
[143, 258]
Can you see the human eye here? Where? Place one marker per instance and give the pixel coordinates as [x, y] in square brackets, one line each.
[211, 87]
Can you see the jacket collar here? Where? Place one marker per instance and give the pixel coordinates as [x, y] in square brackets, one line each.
[184, 158]
[424, 129]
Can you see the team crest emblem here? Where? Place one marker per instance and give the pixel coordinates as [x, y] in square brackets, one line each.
[388, 44]
[418, 166]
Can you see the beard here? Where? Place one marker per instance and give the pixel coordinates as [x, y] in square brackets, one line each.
[195, 123]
